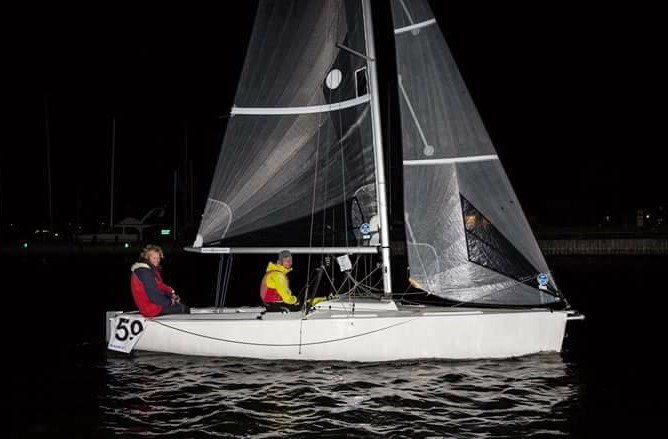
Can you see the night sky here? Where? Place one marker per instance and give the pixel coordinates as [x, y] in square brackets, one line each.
[568, 94]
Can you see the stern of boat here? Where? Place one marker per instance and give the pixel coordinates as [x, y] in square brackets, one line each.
[108, 329]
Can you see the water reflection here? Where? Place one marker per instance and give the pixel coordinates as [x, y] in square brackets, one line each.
[171, 395]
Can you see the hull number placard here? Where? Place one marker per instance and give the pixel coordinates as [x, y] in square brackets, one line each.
[126, 331]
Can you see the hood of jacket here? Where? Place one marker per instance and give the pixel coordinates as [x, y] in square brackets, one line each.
[277, 267]
[138, 265]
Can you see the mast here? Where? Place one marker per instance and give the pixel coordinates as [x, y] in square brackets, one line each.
[113, 159]
[48, 160]
[174, 206]
[186, 174]
[378, 150]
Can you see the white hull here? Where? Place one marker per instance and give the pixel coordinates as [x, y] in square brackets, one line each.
[383, 333]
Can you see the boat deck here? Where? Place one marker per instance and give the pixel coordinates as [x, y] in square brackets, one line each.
[358, 311]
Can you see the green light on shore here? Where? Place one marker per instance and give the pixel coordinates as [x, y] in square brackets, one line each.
[165, 232]
[24, 245]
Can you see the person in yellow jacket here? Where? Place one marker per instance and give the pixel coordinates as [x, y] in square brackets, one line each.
[275, 287]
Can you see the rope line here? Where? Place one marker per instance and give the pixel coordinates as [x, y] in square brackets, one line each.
[287, 344]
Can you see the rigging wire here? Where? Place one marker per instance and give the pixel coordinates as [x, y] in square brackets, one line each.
[224, 270]
[218, 280]
[313, 198]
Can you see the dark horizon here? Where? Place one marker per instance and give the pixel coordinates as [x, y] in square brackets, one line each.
[563, 93]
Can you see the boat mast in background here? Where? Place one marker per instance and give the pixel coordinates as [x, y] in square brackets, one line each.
[113, 158]
[48, 160]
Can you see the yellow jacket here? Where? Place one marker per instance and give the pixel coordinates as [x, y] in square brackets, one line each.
[275, 285]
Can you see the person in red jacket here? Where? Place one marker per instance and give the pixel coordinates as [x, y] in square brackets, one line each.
[152, 296]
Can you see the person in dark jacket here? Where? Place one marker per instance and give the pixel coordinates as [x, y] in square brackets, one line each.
[152, 296]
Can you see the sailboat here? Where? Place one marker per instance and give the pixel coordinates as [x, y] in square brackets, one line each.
[433, 258]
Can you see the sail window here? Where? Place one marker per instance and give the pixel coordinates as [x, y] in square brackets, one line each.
[489, 248]
[361, 82]
[333, 79]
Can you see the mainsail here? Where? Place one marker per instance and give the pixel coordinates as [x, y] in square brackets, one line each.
[299, 144]
[468, 239]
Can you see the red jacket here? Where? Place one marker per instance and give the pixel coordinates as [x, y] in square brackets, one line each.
[149, 292]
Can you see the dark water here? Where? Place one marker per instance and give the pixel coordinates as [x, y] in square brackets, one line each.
[61, 382]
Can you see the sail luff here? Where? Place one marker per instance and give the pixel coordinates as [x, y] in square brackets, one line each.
[381, 187]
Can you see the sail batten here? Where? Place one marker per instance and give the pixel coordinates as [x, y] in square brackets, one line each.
[299, 110]
[446, 161]
[415, 26]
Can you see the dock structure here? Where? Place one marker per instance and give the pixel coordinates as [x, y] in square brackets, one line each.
[553, 241]
[604, 246]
